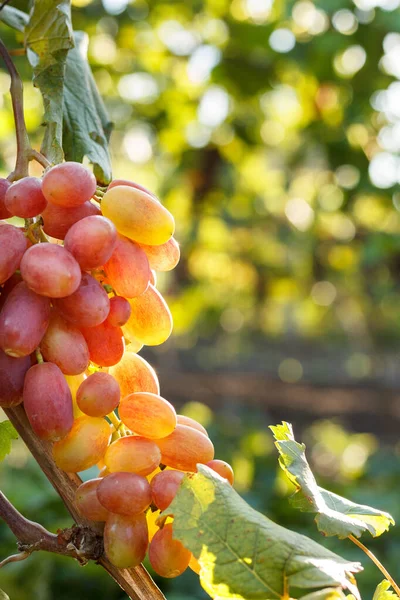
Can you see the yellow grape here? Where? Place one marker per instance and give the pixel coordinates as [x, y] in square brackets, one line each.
[126, 540]
[138, 215]
[84, 446]
[133, 346]
[134, 374]
[164, 257]
[168, 557]
[148, 415]
[133, 454]
[151, 320]
[184, 448]
[184, 420]
[222, 468]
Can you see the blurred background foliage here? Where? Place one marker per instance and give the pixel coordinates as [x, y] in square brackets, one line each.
[271, 129]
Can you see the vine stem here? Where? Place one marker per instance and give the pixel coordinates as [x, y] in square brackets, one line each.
[378, 563]
[25, 153]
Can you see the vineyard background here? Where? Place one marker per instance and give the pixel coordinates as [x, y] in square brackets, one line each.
[271, 130]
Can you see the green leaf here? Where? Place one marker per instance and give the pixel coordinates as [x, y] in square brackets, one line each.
[335, 515]
[15, 18]
[383, 592]
[48, 37]
[4, 596]
[87, 127]
[7, 434]
[244, 555]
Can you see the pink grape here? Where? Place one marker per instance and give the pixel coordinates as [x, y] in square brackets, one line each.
[133, 454]
[50, 270]
[88, 503]
[164, 257]
[84, 445]
[23, 321]
[48, 402]
[64, 345]
[120, 311]
[12, 247]
[164, 487]
[105, 343]
[98, 395]
[58, 219]
[12, 375]
[168, 557]
[91, 241]
[68, 184]
[24, 198]
[148, 415]
[128, 269]
[4, 185]
[126, 540]
[88, 306]
[135, 374]
[124, 493]
[222, 468]
[184, 448]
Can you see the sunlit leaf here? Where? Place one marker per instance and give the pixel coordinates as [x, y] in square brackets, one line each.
[7, 434]
[87, 127]
[48, 37]
[243, 554]
[383, 591]
[335, 515]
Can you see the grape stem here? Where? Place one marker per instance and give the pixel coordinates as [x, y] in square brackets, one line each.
[74, 542]
[25, 153]
[377, 562]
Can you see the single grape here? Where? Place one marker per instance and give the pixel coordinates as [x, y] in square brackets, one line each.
[88, 503]
[164, 487]
[125, 540]
[68, 184]
[148, 415]
[168, 557]
[12, 247]
[184, 448]
[127, 269]
[118, 182]
[58, 219]
[84, 446]
[25, 199]
[151, 320]
[91, 241]
[4, 185]
[88, 306]
[189, 422]
[48, 402]
[222, 468]
[164, 257]
[23, 321]
[133, 454]
[12, 375]
[135, 374]
[98, 395]
[64, 345]
[50, 270]
[124, 493]
[105, 343]
[137, 215]
[120, 311]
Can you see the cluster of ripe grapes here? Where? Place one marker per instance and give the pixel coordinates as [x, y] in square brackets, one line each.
[78, 301]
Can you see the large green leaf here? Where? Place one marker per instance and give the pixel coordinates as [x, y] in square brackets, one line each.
[335, 515]
[383, 592]
[244, 555]
[7, 434]
[87, 127]
[48, 37]
[13, 17]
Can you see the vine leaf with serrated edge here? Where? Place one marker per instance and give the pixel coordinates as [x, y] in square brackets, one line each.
[243, 554]
[7, 434]
[335, 515]
[87, 127]
[383, 591]
[48, 38]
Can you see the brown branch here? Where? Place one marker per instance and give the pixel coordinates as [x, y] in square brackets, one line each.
[136, 582]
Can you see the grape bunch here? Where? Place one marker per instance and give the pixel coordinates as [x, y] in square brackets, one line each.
[78, 301]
